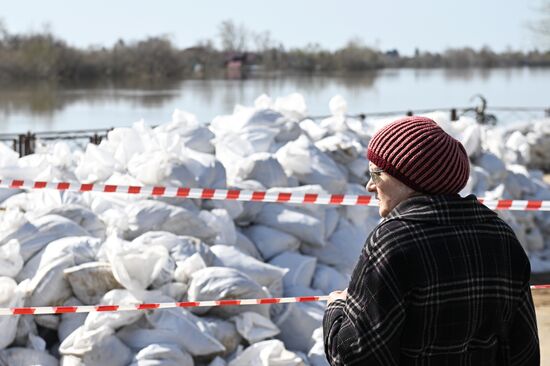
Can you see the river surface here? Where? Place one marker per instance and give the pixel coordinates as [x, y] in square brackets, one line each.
[50, 107]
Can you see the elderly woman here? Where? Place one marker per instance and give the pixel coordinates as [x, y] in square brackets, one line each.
[442, 280]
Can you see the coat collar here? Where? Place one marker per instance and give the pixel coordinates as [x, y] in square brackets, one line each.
[442, 210]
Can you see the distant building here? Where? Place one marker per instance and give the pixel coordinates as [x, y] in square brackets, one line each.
[392, 53]
[237, 64]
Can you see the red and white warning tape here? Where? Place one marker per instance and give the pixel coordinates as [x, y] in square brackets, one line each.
[163, 305]
[42, 310]
[244, 195]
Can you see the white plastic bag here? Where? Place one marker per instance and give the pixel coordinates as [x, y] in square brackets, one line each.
[137, 267]
[10, 259]
[300, 268]
[265, 274]
[162, 354]
[10, 296]
[269, 241]
[254, 327]
[184, 325]
[267, 353]
[218, 283]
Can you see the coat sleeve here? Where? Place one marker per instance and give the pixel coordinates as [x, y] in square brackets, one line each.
[365, 328]
[524, 341]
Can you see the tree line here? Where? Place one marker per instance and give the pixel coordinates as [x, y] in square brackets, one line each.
[43, 56]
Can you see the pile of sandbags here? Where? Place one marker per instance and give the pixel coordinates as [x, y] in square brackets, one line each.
[62, 248]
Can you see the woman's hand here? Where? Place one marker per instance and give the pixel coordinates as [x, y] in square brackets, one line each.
[334, 295]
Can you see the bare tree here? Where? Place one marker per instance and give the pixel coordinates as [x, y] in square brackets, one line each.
[541, 27]
[233, 37]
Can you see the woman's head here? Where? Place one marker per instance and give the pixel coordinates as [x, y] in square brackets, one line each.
[420, 156]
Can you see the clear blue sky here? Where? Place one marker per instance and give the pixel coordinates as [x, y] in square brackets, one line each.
[403, 24]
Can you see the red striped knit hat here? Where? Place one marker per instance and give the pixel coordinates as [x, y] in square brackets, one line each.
[420, 154]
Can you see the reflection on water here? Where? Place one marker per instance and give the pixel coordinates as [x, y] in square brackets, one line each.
[50, 106]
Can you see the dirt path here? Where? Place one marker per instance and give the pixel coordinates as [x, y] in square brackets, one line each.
[541, 298]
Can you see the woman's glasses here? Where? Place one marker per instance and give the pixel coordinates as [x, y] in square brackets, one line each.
[375, 175]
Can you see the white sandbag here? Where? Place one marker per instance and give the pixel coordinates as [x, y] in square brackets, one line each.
[269, 241]
[245, 245]
[316, 354]
[174, 290]
[218, 361]
[192, 134]
[218, 283]
[233, 208]
[185, 326]
[138, 338]
[6, 193]
[297, 323]
[8, 157]
[70, 321]
[493, 166]
[81, 249]
[90, 281]
[49, 287]
[114, 320]
[17, 356]
[242, 134]
[10, 259]
[341, 147]
[267, 353]
[127, 141]
[96, 165]
[10, 296]
[162, 354]
[185, 269]
[332, 216]
[343, 249]
[471, 139]
[295, 221]
[88, 220]
[207, 171]
[26, 326]
[264, 168]
[254, 327]
[188, 246]
[221, 223]
[36, 343]
[96, 347]
[328, 279]
[149, 215]
[138, 267]
[35, 235]
[293, 106]
[250, 209]
[223, 330]
[164, 238]
[313, 130]
[300, 268]
[265, 274]
[302, 159]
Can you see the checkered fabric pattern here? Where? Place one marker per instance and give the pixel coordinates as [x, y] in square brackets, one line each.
[441, 281]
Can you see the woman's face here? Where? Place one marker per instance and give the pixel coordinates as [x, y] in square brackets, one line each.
[389, 191]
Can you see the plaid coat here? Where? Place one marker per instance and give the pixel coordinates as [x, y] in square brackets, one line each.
[441, 281]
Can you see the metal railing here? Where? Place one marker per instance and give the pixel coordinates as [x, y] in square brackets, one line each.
[25, 143]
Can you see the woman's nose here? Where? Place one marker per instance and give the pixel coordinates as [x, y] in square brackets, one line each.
[371, 187]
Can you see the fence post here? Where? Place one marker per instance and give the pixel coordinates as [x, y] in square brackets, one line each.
[21, 144]
[454, 116]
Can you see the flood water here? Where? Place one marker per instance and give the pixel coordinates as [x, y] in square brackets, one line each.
[51, 107]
